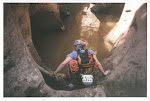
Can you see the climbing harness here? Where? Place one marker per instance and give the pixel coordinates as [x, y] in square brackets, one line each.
[82, 68]
[84, 64]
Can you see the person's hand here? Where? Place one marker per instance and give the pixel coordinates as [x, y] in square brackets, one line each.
[106, 72]
[54, 75]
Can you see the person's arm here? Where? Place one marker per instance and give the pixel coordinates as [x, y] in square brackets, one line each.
[63, 64]
[100, 66]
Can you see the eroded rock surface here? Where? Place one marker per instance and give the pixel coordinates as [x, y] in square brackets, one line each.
[22, 75]
[23, 72]
[128, 59]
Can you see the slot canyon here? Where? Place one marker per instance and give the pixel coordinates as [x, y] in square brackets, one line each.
[39, 36]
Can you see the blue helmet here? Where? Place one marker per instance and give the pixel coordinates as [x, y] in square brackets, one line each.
[77, 43]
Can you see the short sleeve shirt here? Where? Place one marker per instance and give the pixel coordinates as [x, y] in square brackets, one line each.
[74, 54]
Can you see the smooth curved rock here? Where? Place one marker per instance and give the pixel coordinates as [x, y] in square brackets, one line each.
[114, 9]
[46, 16]
[22, 75]
[128, 60]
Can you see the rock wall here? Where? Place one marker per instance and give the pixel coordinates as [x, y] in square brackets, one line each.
[108, 8]
[128, 59]
[22, 75]
[50, 43]
[46, 16]
[108, 15]
[23, 72]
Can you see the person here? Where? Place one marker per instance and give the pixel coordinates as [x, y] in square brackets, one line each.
[80, 46]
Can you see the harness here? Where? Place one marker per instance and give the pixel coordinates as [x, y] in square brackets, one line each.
[84, 64]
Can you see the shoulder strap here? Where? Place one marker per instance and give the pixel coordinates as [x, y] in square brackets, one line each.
[78, 57]
[78, 52]
[86, 51]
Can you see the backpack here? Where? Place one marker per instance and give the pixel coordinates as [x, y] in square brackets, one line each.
[86, 62]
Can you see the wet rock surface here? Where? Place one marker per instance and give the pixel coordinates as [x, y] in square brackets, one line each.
[53, 46]
[108, 8]
[24, 73]
[46, 16]
[128, 59]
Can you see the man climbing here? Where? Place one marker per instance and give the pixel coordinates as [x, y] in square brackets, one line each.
[81, 61]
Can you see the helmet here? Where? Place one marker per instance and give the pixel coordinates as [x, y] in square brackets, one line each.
[79, 43]
[87, 80]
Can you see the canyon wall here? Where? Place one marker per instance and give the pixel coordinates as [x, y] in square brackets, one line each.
[128, 58]
[23, 72]
[23, 68]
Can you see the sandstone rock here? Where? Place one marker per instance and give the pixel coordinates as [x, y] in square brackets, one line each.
[64, 10]
[108, 8]
[46, 16]
[22, 75]
[128, 60]
[23, 72]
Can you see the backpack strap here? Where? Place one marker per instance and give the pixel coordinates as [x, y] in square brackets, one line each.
[79, 58]
[88, 67]
[86, 51]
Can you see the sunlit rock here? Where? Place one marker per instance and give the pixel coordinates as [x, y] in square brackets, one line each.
[128, 59]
